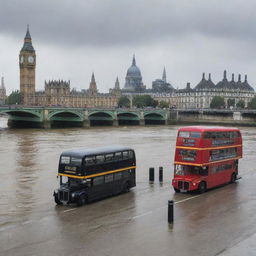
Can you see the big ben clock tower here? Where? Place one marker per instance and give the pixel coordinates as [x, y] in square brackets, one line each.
[27, 60]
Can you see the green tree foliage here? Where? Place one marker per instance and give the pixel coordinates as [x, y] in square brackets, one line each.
[252, 103]
[124, 102]
[217, 102]
[231, 102]
[13, 98]
[163, 104]
[141, 101]
[240, 104]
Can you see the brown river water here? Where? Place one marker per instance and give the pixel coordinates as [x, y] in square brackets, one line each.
[29, 161]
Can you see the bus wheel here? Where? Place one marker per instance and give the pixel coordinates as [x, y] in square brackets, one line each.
[233, 178]
[202, 187]
[126, 187]
[81, 200]
[176, 190]
[56, 199]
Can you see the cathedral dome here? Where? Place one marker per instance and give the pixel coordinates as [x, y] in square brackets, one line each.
[133, 70]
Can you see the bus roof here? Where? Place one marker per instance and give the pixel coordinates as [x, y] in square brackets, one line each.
[208, 128]
[81, 152]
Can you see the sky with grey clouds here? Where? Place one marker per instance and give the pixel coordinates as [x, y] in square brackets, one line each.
[74, 38]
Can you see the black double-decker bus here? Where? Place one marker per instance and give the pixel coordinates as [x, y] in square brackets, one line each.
[90, 174]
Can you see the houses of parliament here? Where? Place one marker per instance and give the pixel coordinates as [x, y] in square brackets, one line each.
[60, 93]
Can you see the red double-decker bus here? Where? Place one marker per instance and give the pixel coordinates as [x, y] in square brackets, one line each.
[206, 157]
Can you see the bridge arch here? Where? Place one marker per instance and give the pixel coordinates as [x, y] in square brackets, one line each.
[154, 118]
[98, 118]
[128, 118]
[23, 118]
[65, 118]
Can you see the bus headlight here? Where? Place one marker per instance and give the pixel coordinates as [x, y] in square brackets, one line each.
[73, 195]
[194, 184]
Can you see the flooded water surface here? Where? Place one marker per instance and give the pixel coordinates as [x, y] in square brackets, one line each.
[29, 162]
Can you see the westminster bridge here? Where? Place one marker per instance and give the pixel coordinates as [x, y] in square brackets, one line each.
[47, 117]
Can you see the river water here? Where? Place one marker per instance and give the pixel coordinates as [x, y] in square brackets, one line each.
[29, 161]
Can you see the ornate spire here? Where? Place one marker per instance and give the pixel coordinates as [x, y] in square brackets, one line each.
[245, 78]
[225, 75]
[133, 60]
[93, 78]
[27, 46]
[117, 85]
[233, 77]
[209, 78]
[203, 76]
[28, 36]
[93, 86]
[164, 75]
[239, 78]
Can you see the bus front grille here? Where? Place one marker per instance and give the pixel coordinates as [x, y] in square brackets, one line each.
[183, 185]
[63, 196]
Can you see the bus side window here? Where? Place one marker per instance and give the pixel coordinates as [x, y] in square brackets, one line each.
[109, 157]
[89, 160]
[118, 156]
[100, 159]
[118, 175]
[109, 178]
[131, 155]
[125, 155]
[98, 180]
[207, 135]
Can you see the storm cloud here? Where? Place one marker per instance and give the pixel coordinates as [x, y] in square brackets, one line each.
[186, 36]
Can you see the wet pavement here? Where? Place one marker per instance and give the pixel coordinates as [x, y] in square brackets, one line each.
[219, 222]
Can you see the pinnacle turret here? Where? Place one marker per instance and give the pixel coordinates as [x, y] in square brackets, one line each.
[164, 75]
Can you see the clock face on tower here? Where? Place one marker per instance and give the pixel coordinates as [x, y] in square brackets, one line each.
[30, 59]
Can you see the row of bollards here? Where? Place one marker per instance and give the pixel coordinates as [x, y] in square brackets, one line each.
[170, 202]
[152, 174]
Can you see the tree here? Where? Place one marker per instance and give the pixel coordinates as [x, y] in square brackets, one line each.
[124, 102]
[14, 98]
[240, 104]
[217, 102]
[141, 101]
[231, 102]
[252, 103]
[163, 104]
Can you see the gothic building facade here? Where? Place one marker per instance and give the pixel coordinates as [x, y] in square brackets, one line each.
[58, 92]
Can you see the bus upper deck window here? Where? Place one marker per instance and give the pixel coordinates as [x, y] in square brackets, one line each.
[131, 155]
[65, 160]
[207, 135]
[100, 159]
[125, 155]
[109, 157]
[118, 155]
[89, 160]
[183, 134]
[195, 135]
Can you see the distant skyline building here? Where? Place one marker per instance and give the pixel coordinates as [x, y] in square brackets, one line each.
[133, 79]
[161, 85]
[2, 92]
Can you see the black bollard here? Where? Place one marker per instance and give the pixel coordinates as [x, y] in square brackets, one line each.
[170, 211]
[160, 174]
[151, 174]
